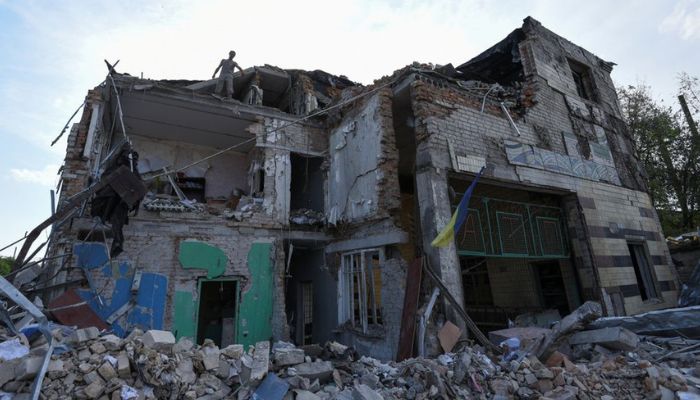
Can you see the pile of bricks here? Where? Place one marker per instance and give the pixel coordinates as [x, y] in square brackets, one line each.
[153, 365]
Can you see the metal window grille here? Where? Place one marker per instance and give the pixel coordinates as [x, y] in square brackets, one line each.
[511, 229]
[360, 288]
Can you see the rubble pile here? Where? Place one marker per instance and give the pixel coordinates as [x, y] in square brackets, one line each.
[153, 364]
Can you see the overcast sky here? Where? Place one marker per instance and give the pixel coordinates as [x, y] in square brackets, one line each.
[51, 53]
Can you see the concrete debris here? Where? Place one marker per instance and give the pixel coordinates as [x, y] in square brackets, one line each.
[151, 366]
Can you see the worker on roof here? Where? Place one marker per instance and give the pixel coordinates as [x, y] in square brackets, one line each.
[227, 67]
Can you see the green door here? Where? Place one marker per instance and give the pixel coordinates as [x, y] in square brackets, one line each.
[255, 311]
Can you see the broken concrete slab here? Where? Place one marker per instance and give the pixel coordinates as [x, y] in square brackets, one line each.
[286, 356]
[364, 392]
[616, 338]
[158, 340]
[85, 334]
[261, 361]
[321, 370]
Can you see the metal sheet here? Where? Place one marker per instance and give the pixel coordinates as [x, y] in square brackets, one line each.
[81, 316]
[183, 315]
[150, 303]
[255, 312]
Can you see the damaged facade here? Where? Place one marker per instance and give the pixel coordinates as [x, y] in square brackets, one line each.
[305, 229]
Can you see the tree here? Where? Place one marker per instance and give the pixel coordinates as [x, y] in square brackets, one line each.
[6, 265]
[669, 148]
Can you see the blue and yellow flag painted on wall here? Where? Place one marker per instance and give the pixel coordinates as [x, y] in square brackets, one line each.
[460, 215]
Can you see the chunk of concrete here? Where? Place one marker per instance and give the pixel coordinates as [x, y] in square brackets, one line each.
[183, 345]
[158, 340]
[321, 370]
[305, 395]
[123, 366]
[616, 338]
[85, 334]
[97, 348]
[107, 371]
[261, 361]
[234, 351]
[286, 356]
[91, 377]
[94, 390]
[28, 367]
[364, 392]
[111, 342]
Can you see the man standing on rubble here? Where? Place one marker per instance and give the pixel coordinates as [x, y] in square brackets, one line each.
[227, 67]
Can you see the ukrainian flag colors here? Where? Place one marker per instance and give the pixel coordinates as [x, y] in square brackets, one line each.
[448, 233]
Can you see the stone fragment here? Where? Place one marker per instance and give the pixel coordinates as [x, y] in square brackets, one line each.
[107, 371]
[91, 377]
[85, 334]
[261, 361]
[94, 390]
[185, 371]
[158, 340]
[544, 373]
[285, 356]
[234, 351]
[56, 369]
[321, 370]
[364, 392]
[530, 379]
[7, 372]
[123, 366]
[27, 368]
[305, 395]
[210, 361]
[370, 380]
[183, 345]
[111, 342]
[545, 385]
[84, 354]
[97, 348]
[616, 338]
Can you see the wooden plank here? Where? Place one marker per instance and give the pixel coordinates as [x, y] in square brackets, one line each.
[410, 307]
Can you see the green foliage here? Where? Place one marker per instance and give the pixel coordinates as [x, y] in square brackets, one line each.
[6, 265]
[669, 149]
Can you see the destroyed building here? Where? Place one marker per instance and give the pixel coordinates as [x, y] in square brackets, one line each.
[297, 210]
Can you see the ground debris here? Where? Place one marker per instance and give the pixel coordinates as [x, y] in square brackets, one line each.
[150, 365]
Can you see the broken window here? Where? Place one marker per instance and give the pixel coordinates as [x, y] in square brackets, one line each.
[583, 79]
[642, 270]
[306, 190]
[360, 289]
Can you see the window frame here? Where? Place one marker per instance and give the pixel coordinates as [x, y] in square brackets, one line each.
[346, 289]
[582, 76]
[647, 290]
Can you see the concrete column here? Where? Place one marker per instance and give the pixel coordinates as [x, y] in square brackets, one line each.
[435, 213]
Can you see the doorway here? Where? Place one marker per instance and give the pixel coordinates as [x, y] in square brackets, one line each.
[216, 312]
[309, 296]
[552, 289]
